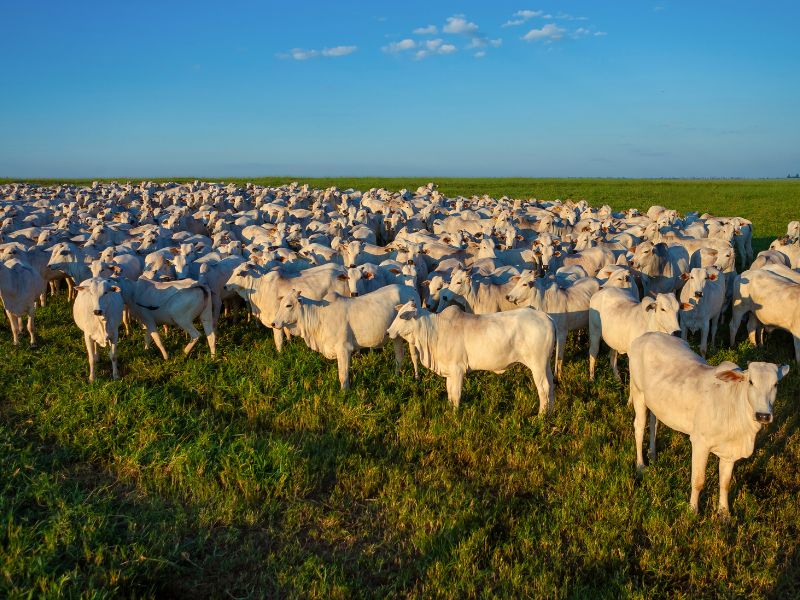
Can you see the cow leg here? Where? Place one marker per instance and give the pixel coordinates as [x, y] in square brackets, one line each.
[277, 335]
[454, 383]
[752, 330]
[70, 291]
[639, 422]
[594, 347]
[714, 325]
[796, 348]
[193, 334]
[153, 331]
[543, 379]
[561, 346]
[704, 338]
[31, 326]
[112, 352]
[613, 356]
[208, 321]
[412, 352]
[399, 353]
[15, 327]
[699, 461]
[126, 320]
[725, 472]
[736, 321]
[343, 360]
[653, 430]
[90, 351]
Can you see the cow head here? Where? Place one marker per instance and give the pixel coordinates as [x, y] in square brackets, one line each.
[523, 289]
[661, 313]
[288, 310]
[761, 383]
[99, 292]
[403, 325]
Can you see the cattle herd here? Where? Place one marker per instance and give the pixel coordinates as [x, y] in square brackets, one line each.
[465, 283]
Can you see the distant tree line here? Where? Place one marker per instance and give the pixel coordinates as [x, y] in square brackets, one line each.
[795, 176]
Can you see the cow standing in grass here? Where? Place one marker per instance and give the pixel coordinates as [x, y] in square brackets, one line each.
[98, 313]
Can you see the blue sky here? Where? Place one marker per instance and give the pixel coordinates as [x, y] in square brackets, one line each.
[562, 89]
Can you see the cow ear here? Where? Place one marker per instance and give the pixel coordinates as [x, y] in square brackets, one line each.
[174, 250]
[116, 288]
[649, 303]
[425, 283]
[712, 276]
[632, 249]
[783, 371]
[80, 288]
[685, 306]
[342, 277]
[685, 276]
[731, 376]
[394, 270]
[557, 253]
[368, 275]
[515, 278]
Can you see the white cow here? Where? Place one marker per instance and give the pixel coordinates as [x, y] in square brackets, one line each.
[98, 313]
[453, 343]
[20, 286]
[773, 299]
[261, 291]
[617, 317]
[337, 326]
[179, 303]
[568, 307]
[721, 408]
[702, 302]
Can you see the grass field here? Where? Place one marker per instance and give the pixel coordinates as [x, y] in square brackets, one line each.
[253, 475]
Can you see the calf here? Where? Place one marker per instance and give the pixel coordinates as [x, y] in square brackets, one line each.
[721, 408]
[702, 302]
[618, 318]
[98, 313]
[20, 286]
[453, 343]
[337, 326]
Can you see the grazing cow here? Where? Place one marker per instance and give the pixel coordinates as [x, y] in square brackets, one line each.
[568, 307]
[20, 286]
[98, 313]
[773, 299]
[337, 326]
[721, 408]
[702, 302]
[453, 343]
[179, 303]
[618, 317]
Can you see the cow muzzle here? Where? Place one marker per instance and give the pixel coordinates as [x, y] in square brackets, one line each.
[354, 294]
[764, 417]
[698, 294]
[676, 333]
[98, 313]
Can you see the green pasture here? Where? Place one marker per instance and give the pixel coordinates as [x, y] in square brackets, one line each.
[252, 475]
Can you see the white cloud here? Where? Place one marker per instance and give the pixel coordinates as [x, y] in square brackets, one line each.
[303, 54]
[480, 54]
[402, 45]
[459, 24]
[339, 51]
[547, 33]
[581, 31]
[521, 17]
[433, 47]
[598, 33]
[429, 30]
[300, 54]
[566, 17]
